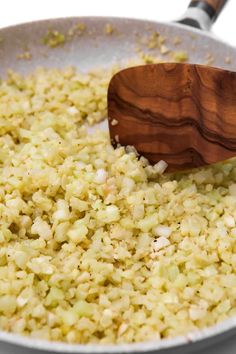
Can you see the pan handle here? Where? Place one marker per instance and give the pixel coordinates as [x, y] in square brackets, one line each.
[202, 13]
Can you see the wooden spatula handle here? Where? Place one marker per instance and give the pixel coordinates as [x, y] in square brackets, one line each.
[212, 7]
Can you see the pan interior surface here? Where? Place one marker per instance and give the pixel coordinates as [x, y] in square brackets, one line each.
[100, 47]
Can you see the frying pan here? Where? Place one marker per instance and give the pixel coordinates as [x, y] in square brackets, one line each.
[96, 49]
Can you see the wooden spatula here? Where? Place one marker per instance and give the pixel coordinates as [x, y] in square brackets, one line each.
[183, 114]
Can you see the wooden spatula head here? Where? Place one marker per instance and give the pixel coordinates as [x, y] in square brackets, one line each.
[183, 114]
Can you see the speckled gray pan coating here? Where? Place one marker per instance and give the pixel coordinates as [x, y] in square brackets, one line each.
[94, 49]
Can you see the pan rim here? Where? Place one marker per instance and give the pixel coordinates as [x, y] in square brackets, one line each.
[172, 24]
[177, 342]
[193, 337]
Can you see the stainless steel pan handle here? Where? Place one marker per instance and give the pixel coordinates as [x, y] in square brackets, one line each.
[202, 13]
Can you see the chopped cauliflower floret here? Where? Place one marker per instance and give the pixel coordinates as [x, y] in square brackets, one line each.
[96, 245]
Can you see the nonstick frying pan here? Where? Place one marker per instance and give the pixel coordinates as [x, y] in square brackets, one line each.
[96, 49]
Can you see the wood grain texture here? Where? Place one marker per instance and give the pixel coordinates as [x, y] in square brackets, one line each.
[184, 114]
[216, 5]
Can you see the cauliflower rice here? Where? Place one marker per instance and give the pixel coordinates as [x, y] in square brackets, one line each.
[95, 245]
